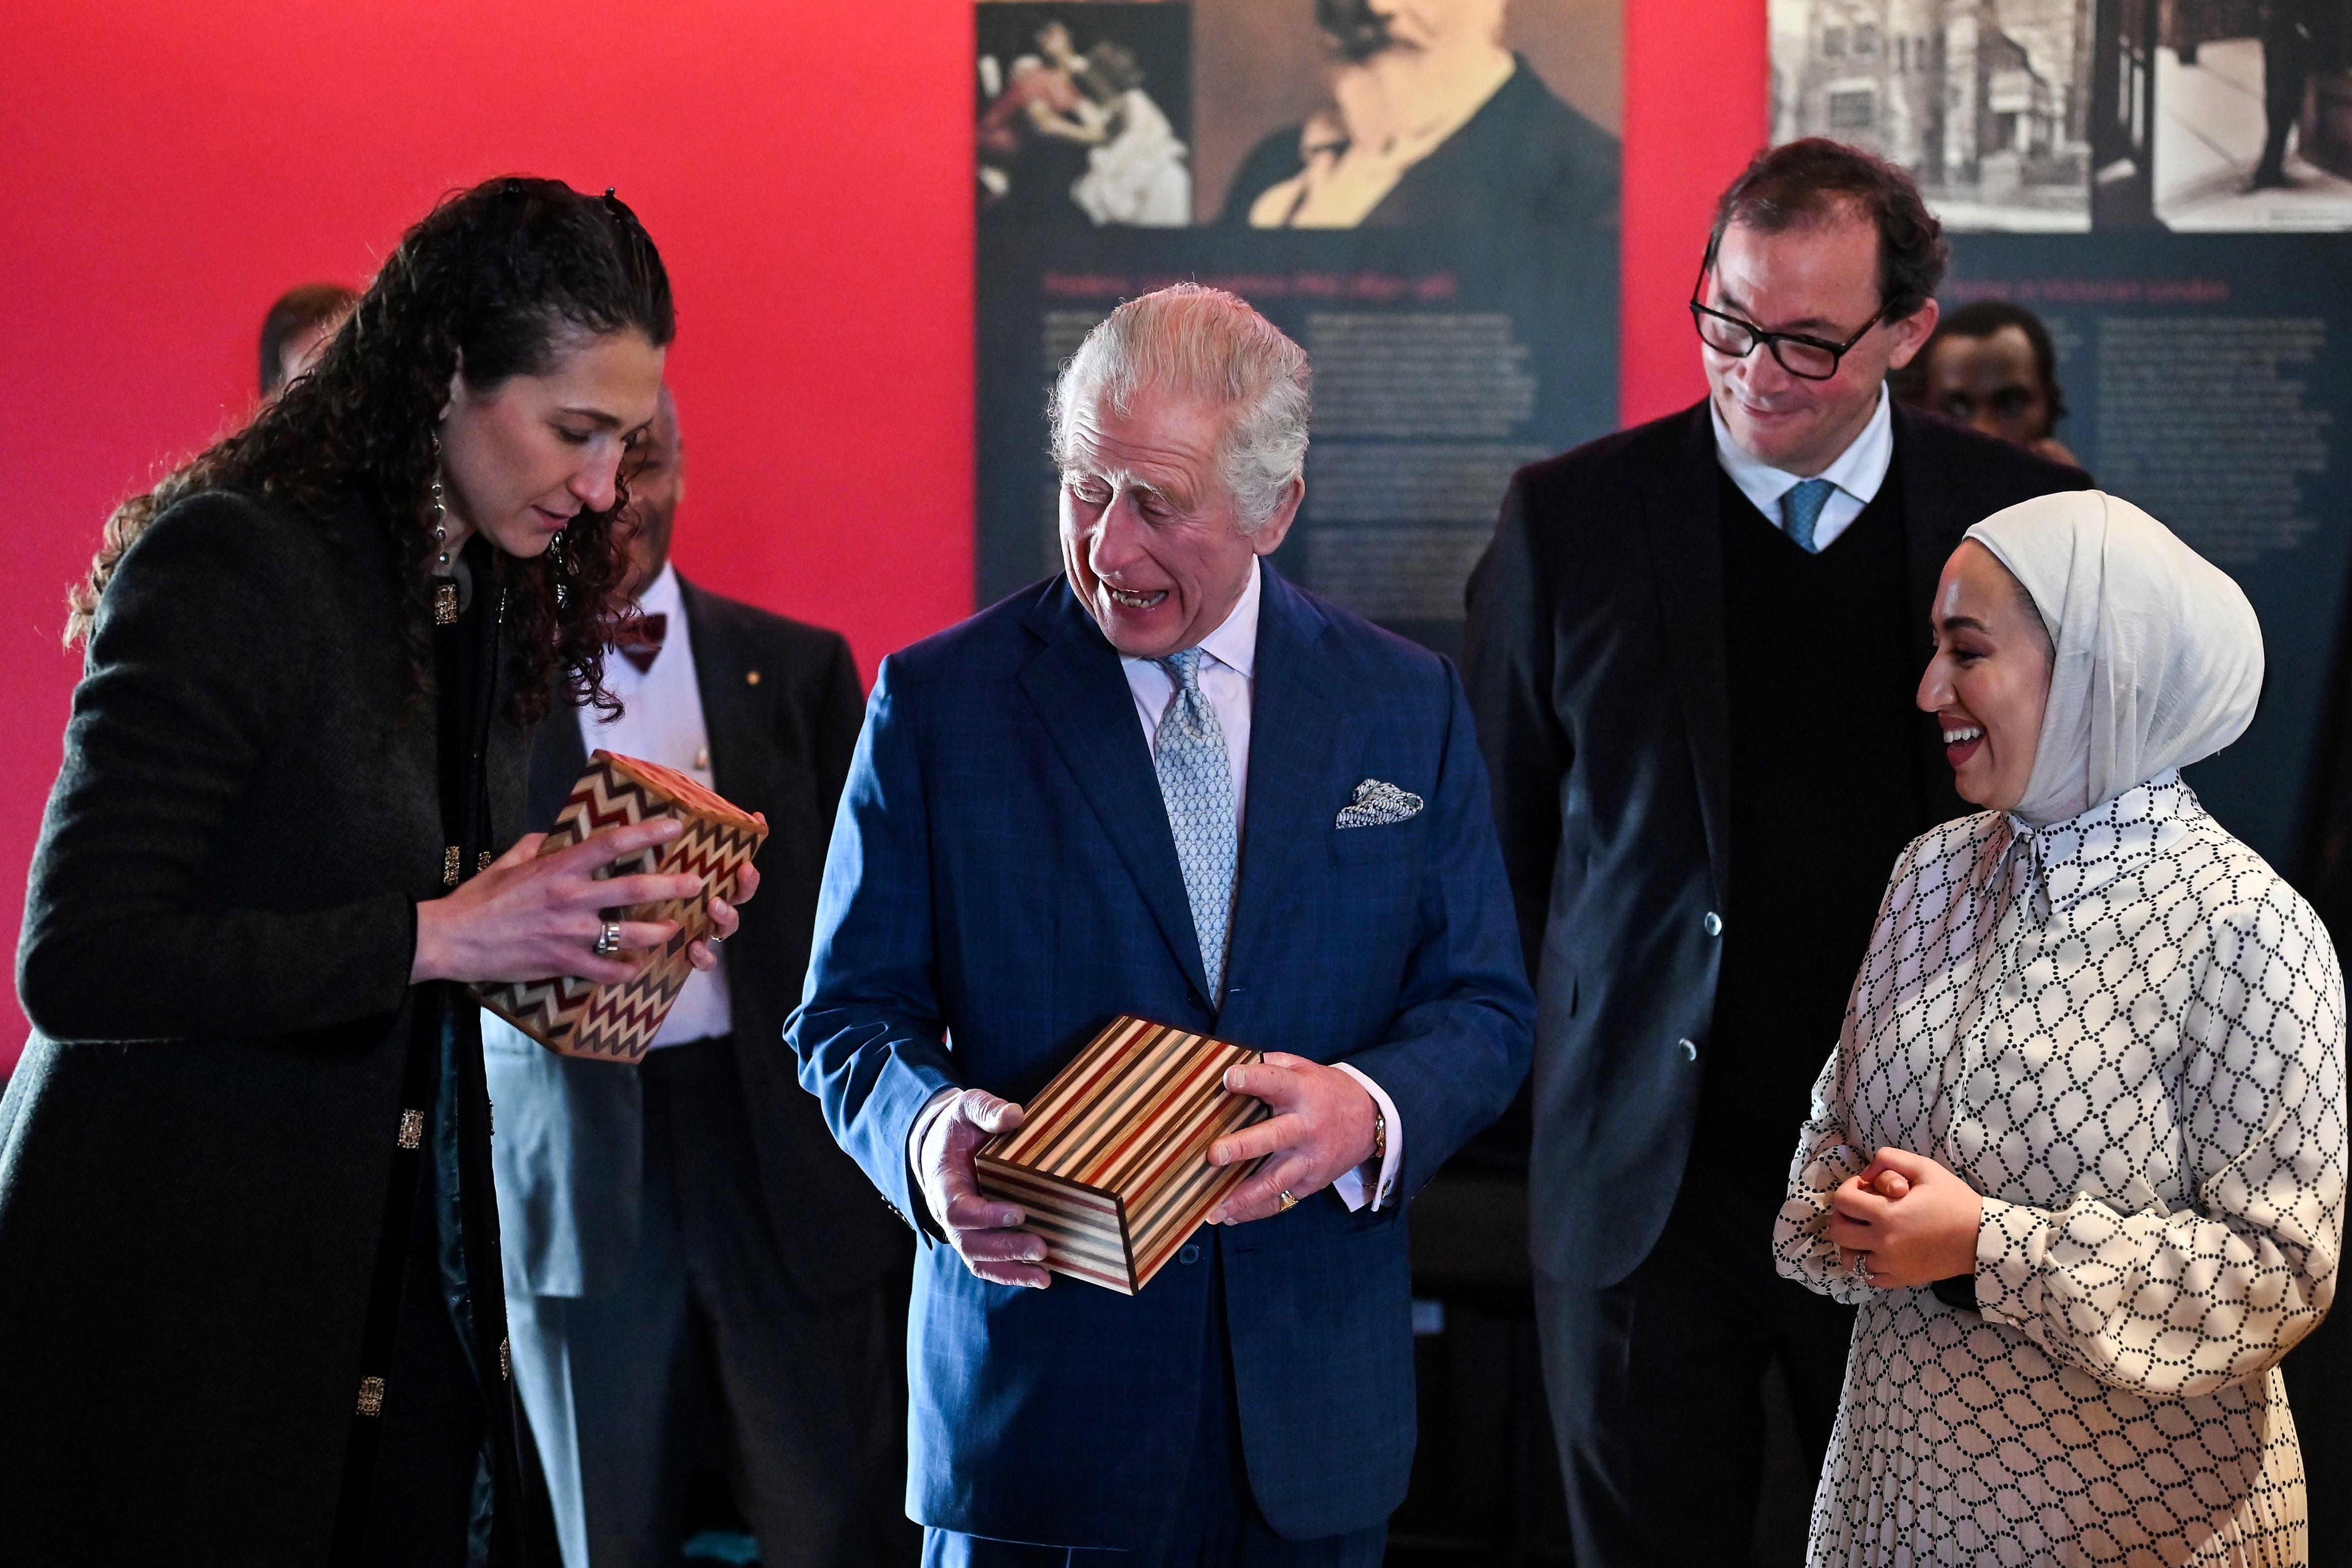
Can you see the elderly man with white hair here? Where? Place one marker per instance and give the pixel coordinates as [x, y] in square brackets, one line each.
[1167, 783]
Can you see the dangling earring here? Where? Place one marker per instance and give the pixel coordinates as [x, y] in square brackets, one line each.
[445, 594]
[440, 509]
[555, 559]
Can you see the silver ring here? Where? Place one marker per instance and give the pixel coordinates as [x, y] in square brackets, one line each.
[608, 940]
[714, 939]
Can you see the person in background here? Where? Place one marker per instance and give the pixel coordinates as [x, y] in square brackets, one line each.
[1138, 174]
[2294, 35]
[2079, 1153]
[249, 1271]
[1991, 365]
[1692, 647]
[294, 332]
[697, 1200]
[1167, 784]
[1034, 138]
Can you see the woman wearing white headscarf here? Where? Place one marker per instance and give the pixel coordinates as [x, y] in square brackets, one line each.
[2079, 1155]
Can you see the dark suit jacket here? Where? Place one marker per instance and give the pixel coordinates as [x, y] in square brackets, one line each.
[1003, 876]
[1525, 158]
[1595, 661]
[781, 704]
[195, 1152]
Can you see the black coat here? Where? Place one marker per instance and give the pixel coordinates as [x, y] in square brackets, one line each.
[781, 706]
[194, 1153]
[1525, 158]
[1595, 662]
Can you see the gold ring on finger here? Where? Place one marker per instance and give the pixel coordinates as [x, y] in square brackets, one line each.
[1287, 1201]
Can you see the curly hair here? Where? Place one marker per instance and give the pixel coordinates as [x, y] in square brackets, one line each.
[490, 281]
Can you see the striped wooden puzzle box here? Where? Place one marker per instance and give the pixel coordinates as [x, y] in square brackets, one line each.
[618, 1022]
[1111, 1160]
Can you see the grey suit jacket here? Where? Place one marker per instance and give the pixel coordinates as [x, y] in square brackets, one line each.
[781, 705]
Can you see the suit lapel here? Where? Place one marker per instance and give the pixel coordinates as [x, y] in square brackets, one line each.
[727, 725]
[1934, 521]
[731, 728]
[1682, 528]
[1293, 713]
[558, 758]
[1082, 698]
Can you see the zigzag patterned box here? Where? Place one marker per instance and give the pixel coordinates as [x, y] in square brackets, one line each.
[1111, 1160]
[617, 1022]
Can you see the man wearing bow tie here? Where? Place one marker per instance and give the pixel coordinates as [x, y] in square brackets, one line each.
[683, 1240]
[1167, 783]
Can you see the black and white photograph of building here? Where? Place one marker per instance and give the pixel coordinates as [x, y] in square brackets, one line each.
[1986, 102]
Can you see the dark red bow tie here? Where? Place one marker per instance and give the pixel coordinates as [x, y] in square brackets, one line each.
[640, 641]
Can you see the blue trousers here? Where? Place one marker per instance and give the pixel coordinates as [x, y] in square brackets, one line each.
[1217, 1522]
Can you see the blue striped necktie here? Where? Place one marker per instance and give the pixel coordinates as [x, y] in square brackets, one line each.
[1196, 781]
[1801, 510]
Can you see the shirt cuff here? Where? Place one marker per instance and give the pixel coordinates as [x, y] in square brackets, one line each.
[928, 1224]
[2009, 1247]
[1351, 1184]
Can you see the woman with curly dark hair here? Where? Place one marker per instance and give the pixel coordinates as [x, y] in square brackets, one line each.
[249, 1252]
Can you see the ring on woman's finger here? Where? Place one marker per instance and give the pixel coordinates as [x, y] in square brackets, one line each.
[608, 940]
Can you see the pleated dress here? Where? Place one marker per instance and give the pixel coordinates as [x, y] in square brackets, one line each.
[2127, 1031]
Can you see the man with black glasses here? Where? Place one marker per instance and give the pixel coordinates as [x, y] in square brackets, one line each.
[1692, 651]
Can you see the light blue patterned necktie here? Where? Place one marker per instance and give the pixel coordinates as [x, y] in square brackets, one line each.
[1801, 509]
[1196, 781]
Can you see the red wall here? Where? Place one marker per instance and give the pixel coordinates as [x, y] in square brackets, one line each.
[805, 168]
[1696, 108]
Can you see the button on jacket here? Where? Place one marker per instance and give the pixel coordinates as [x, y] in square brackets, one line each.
[196, 1150]
[1002, 882]
[1595, 658]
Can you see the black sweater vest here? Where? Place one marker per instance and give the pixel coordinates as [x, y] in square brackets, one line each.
[1826, 790]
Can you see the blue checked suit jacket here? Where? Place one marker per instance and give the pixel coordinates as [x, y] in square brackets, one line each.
[1002, 882]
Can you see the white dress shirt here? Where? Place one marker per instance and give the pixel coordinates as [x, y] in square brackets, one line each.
[1228, 675]
[661, 721]
[1858, 473]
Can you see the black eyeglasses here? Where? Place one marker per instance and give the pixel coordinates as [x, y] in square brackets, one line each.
[1807, 358]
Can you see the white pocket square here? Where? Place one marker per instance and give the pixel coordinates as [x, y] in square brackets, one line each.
[1376, 805]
